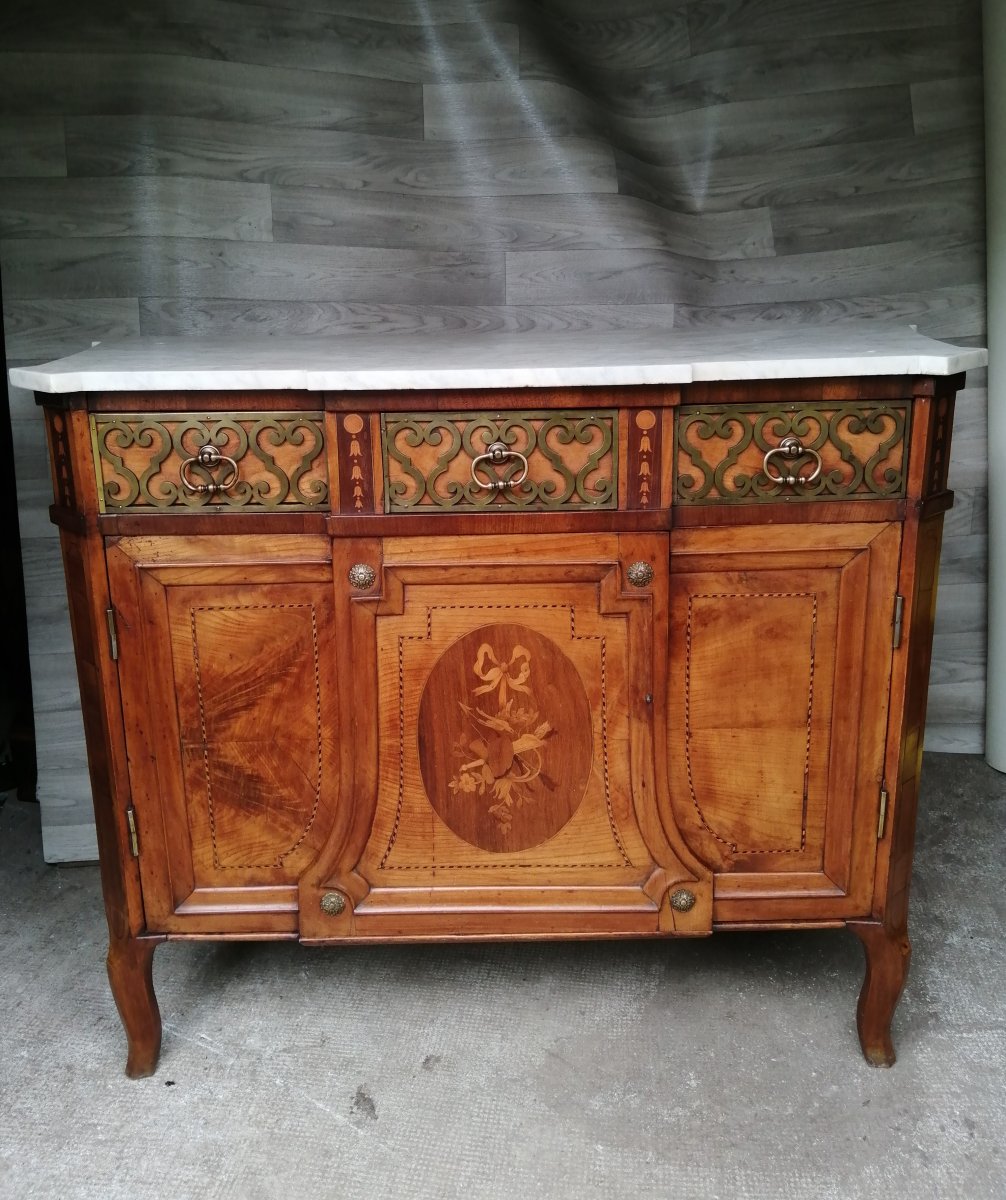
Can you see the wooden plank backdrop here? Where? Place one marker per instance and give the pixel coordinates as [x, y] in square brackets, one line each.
[328, 166]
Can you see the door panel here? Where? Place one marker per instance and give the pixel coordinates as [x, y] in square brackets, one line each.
[761, 734]
[509, 781]
[229, 689]
[780, 668]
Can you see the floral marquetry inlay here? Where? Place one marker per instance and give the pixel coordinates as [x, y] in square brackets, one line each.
[504, 738]
[355, 465]
[644, 459]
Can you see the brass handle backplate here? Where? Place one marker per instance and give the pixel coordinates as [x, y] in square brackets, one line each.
[792, 449]
[208, 457]
[496, 455]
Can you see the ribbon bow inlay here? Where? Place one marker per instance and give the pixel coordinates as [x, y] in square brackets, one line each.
[508, 677]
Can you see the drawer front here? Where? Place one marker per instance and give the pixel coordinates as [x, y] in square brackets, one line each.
[743, 454]
[230, 461]
[464, 461]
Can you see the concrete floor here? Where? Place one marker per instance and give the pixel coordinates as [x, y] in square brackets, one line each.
[721, 1068]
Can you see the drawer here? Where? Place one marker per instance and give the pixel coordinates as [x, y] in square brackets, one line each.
[742, 454]
[465, 461]
[176, 461]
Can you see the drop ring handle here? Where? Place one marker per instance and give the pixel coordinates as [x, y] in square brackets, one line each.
[496, 455]
[208, 457]
[791, 449]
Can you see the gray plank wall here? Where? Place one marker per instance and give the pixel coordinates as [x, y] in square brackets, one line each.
[302, 166]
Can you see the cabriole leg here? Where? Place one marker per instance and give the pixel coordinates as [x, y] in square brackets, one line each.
[130, 972]
[888, 955]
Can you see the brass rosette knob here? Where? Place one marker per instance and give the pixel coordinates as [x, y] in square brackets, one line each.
[333, 903]
[639, 574]
[362, 576]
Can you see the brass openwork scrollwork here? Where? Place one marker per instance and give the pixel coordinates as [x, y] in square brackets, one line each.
[254, 460]
[735, 454]
[542, 459]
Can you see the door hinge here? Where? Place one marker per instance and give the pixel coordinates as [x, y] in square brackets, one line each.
[134, 841]
[113, 639]
[899, 612]
[882, 819]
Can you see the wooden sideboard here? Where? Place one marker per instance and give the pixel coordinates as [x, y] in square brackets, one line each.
[569, 659]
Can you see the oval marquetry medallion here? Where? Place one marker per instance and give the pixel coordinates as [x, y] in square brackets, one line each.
[505, 742]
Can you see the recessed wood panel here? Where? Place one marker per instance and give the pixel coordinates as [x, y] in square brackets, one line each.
[230, 681]
[431, 661]
[780, 666]
[749, 694]
[251, 739]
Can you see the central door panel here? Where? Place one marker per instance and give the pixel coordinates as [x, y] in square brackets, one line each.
[494, 753]
[511, 776]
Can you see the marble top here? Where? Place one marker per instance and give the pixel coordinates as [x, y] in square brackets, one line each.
[388, 361]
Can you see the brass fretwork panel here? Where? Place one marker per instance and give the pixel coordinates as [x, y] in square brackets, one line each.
[571, 460]
[257, 460]
[854, 451]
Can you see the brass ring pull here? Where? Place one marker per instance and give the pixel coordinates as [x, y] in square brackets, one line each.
[496, 455]
[792, 448]
[207, 457]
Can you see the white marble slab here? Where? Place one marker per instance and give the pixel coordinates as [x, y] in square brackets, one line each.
[445, 361]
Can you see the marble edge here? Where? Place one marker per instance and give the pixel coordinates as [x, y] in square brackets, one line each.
[132, 379]
[711, 370]
[402, 379]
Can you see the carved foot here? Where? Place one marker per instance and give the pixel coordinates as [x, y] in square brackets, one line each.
[130, 972]
[888, 955]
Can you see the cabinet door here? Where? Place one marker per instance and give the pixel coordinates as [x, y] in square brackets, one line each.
[504, 775]
[781, 647]
[227, 665]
